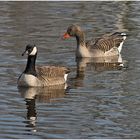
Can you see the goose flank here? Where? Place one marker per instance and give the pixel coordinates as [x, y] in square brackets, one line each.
[40, 76]
[106, 45]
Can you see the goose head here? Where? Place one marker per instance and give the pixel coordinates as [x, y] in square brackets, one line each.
[30, 50]
[73, 31]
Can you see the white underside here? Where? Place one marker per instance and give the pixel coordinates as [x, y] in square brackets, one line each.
[28, 80]
[84, 52]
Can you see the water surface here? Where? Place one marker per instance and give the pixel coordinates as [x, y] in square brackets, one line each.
[102, 100]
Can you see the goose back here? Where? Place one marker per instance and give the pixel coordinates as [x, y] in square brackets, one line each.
[51, 75]
[105, 43]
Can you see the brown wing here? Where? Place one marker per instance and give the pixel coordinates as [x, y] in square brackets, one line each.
[105, 43]
[51, 71]
[93, 41]
[51, 75]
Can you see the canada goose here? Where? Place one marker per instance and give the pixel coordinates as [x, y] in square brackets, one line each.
[40, 76]
[106, 45]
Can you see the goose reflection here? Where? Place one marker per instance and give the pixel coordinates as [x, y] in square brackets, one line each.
[41, 95]
[97, 65]
[101, 63]
[31, 114]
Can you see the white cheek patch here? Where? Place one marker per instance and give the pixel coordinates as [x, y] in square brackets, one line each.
[34, 51]
[28, 80]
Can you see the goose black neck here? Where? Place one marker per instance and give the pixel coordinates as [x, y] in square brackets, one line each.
[80, 37]
[30, 67]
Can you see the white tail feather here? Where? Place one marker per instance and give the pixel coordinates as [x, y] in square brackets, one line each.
[120, 47]
[65, 77]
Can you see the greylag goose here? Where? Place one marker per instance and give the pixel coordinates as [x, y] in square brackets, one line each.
[106, 45]
[40, 76]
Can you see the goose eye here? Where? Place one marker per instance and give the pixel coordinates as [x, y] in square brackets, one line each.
[70, 30]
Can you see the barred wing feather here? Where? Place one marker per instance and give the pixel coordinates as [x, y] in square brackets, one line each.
[51, 71]
[105, 44]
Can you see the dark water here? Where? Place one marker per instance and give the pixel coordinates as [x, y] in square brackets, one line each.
[102, 101]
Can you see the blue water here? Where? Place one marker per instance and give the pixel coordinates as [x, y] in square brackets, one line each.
[101, 102]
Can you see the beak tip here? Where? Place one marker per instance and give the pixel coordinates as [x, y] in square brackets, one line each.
[23, 53]
[65, 36]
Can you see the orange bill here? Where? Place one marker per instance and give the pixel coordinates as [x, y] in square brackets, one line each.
[66, 35]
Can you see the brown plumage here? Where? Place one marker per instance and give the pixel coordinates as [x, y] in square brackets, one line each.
[51, 75]
[106, 45]
[35, 76]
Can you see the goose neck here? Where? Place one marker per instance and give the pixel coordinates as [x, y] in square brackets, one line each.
[30, 67]
[80, 37]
